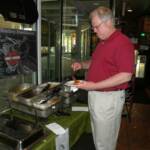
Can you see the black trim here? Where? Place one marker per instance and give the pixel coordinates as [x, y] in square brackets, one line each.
[22, 11]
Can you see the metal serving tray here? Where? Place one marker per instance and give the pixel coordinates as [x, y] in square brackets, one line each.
[37, 109]
[31, 95]
[39, 101]
[17, 134]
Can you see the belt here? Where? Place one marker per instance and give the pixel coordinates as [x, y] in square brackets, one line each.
[112, 90]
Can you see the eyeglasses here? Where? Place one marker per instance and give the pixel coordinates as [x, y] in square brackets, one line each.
[97, 26]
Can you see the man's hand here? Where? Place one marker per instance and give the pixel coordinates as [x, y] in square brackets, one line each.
[85, 85]
[76, 66]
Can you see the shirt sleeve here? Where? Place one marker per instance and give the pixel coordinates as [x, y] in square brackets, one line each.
[125, 58]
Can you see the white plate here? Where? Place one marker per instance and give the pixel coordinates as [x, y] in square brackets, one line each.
[69, 83]
[72, 83]
[71, 86]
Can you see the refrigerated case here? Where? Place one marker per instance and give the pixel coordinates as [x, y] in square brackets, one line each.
[140, 66]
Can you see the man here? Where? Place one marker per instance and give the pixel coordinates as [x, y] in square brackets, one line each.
[109, 71]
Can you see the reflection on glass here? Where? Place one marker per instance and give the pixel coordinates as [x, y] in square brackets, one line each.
[75, 37]
[51, 37]
[70, 31]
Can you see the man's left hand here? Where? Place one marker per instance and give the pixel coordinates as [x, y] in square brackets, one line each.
[86, 85]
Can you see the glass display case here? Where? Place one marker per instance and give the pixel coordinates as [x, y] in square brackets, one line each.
[140, 66]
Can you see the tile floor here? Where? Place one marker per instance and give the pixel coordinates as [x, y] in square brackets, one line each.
[136, 134]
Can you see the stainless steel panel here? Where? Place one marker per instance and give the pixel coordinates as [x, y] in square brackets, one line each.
[18, 134]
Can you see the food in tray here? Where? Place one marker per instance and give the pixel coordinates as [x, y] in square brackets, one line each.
[54, 101]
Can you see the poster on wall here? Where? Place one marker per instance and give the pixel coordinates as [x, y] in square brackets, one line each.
[18, 52]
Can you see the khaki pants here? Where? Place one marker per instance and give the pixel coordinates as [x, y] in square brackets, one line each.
[105, 111]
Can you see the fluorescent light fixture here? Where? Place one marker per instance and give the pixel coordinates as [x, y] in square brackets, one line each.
[96, 4]
[49, 0]
[130, 10]
[27, 29]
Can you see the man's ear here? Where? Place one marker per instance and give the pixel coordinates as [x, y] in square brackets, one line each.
[108, 22]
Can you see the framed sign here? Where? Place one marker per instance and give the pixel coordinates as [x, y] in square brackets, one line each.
[18, 52]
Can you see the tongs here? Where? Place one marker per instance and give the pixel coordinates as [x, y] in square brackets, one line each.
[73, 76]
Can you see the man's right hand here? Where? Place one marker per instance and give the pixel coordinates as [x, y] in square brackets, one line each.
[76, 66]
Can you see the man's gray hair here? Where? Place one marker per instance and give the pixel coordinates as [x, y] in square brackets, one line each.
[104, 13]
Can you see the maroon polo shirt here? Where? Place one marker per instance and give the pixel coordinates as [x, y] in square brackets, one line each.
[112, 56]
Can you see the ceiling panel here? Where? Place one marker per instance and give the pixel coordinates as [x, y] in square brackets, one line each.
[72, 9]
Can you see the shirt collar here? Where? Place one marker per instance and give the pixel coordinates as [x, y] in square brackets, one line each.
[113, 35]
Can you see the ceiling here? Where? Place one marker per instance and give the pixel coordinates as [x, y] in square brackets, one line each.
[132, 8]
[79, 9]
[140, 7]
[73, 9]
